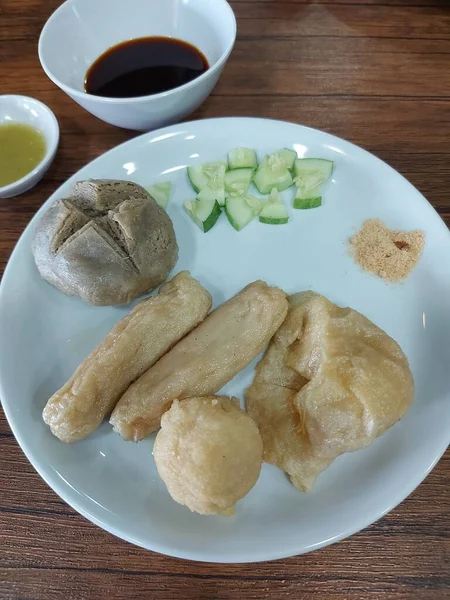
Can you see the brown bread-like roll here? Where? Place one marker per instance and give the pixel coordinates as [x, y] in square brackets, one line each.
[108, 243]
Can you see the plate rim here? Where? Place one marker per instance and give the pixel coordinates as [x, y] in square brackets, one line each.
[65, 494]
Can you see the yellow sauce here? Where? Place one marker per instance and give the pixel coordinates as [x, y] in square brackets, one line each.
[21, 149]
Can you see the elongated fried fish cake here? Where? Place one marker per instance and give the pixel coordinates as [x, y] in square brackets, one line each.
[129, 349]
[204, 361]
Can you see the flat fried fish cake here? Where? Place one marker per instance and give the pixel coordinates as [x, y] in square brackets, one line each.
[330, 382]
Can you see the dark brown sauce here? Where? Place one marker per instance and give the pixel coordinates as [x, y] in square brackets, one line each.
[144, 66]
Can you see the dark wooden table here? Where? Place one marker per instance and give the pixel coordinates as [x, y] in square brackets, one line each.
[376, 73]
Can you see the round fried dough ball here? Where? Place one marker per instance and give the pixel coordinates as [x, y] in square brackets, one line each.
[208, 453]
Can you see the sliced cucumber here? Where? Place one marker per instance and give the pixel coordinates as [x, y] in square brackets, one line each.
[201, 175]
[211, 193]
[288, 156]
[284, 158]
[273, 212]
[242, 158]
[272, 173]
[240, 210]
[238, 181]
[215, 169]
[160, 192]
[304, 203]
[255, 203]
[312, 172]
[203, 212]
[197, 177]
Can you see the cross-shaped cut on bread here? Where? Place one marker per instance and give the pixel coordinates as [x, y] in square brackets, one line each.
[109, 234]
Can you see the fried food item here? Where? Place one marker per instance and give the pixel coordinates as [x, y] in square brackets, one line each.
[129, 349]
[356, 383]
[204, 361]
[270, 402]
[208, 453]
[286, 441]
[360, 381]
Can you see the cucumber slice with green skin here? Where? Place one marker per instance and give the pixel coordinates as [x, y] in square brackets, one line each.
[209, 193]
[241, 211]
[215, 168]
[266, 178]
[242, 158]
[204, 213]
[274, 213]
[197, 177]
[160, 192]
[288, 156]
[312, 172]
[201, 175]
[273, 173]
[304, 203]
[282, 159]
[238, 181]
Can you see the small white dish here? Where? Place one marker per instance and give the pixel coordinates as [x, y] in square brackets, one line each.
[114, 483]
[79, 31]
[21, 109]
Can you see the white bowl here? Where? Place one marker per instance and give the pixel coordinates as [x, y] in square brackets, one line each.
[79, 31]
[21, 109]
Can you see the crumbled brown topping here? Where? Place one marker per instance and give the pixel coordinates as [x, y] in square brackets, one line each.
[389, 254]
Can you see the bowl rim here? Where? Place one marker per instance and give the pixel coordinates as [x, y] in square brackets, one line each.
[135, 99]
[50, 150]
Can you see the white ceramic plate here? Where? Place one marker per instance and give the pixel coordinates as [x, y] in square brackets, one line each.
[44, 335]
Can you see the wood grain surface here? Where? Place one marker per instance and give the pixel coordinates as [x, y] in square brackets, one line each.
[376, 73]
